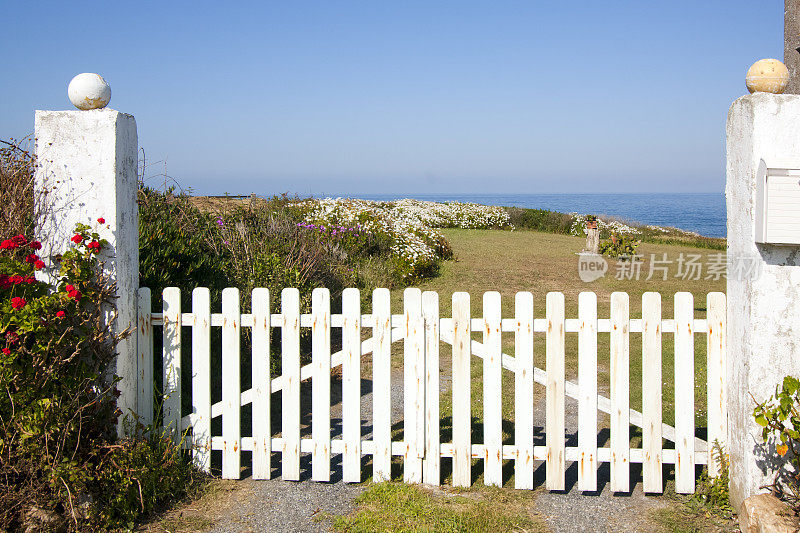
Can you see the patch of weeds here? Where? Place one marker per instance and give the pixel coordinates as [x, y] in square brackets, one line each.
[708, 509]
[400, 507]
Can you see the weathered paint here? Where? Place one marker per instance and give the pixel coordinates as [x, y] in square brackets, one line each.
[87, 164]
[763, 311]
[89, 91]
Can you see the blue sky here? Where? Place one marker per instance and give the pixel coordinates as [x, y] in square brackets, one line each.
[404, 97]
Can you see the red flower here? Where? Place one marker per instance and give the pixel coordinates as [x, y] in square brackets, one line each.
[29, 280]
[94, 245]
[8, 244]
[19, 240]
[16, 279]
[36, 245]
[77, 238]
[61, 314]
[6, 351]
[18, 302]
[32, 258]
[69, 288]
[38, 265]
[75, 294]
[4, 282]
[101, 220]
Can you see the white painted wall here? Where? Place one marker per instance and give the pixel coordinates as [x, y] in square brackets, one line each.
[764, 309]
[87, 163]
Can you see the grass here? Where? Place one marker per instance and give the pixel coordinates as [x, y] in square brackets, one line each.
[508, 262]
[406, 508]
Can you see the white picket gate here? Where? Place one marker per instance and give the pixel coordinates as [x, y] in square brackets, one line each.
[421, 329]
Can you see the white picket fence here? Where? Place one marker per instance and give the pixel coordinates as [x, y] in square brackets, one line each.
[422, 330]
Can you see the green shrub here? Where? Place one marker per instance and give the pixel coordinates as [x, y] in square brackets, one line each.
[619, 245]
[137, 475]
[540, 220]
[176, 246]
[60, 464]
[779, 416]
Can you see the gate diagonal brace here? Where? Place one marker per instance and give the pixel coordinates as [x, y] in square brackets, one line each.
[477, 348]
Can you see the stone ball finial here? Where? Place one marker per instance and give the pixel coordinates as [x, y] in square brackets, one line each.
[89, 91]
[767, 76]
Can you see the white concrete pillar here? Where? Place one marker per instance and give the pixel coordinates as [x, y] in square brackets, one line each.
[87, 164]
[763, 285]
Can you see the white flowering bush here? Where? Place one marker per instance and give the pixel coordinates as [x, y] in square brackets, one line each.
[410, 226]
[453, 214]
[605, 226]
[615, 227]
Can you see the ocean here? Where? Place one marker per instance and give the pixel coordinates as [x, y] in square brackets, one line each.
[703, 213]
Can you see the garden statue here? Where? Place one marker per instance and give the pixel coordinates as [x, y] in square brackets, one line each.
[592, 235]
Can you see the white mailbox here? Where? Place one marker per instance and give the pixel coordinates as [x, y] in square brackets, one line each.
[778, 202]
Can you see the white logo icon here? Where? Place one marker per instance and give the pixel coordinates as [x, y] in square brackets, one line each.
[591, 267]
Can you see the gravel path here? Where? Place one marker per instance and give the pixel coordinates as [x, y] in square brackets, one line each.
[278, 506]
[601, 511]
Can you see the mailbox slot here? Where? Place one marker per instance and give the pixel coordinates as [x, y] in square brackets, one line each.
[777, 217]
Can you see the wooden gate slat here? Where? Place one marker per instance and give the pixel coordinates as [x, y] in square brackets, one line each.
[413, 386]
[260, 362]
[492, 390]
[652, 391]
[523, 391]
[555, 423]
[290, 397]
[144, 401]
[462, 382]
[684, 393]
[201, 378]
[620, 392]
[587, 382]
[321, 384]
[231, 384]
[351, 385]
[381, 385]
[717, 391]
[431, 463]
[173, 321]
